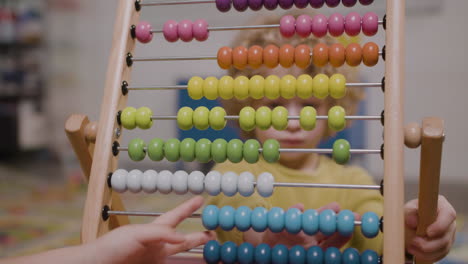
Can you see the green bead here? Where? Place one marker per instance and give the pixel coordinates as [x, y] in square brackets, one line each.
[336, 118]
[247, 118]
[307, 118]
[217, 118]
[156, 149]
[234, 150]
[279, 118]
[341, 151]
[136, 149]
[185, 118]
[263, 117]
[271, 150]
[143, 117]
[201, 118]
[187, 149]
[172, 149]
[203, 150]
[219, 150]
[127, 118]
[250, 150]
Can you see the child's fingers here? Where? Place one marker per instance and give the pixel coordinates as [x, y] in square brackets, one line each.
[334, 206]
[191, 240]
[152, 233]
[411, 214]
[446, 217]
[335, 240]
[181, 212]
[429, 250]
[299, 206]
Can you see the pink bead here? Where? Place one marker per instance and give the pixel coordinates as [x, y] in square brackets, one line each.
[353, 24]
[170, 31]
[336, 25]
[370, 24]
[303, 25]
[143, 32]
[288, 26]
[319, 25]
[185, 30]
[200, 30]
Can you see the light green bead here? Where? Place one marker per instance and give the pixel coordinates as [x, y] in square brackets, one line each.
[320, 84]
[341, 151]
[308, 118]
[127, 118]
[185, 118]
[210, 88]
[143, 117]
[226, 87]
[337, 86]
[136, 149]
[250, 150]
[203, 150]
[279, 118]
[257, 87]
[201, 118]
[263, 117]
[217, 118]
[172, 149]
[336, 118]
[235, 150]
[219, 150]
[156, 149]
[270, 151]
[195, 88]
[247, 118]
[241, 87]
[288, 87]
[187, 149]
[304, 86]
[272, 86]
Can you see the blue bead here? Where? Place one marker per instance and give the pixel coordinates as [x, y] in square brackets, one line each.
[310, 222]
[315, 255]
[259, 219]
[332, 256]
[345, 222]
[327, 222]
[242, 218]
[210, 217]
[245, 253]
[369, 257]
[229, 252]
[297, 254]
[370, 224]
[263, 254]
[276, 219]
[226, 217]
[211, 252]
[350, 256]
[293, 220]
[279, 254]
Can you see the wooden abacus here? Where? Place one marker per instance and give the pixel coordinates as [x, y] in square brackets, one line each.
[97, 144]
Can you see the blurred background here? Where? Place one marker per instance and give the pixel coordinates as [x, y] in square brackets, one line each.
[53, 60]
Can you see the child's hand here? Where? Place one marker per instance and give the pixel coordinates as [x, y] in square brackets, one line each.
[440, 234]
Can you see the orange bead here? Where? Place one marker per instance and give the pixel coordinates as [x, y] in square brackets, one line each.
[320, 55]
[302, 56]
[270, 56]
[370, 54]
[225, 57]
[286, 55]
[239, 57]
[255, 56]
[337, 55]
[353, 54]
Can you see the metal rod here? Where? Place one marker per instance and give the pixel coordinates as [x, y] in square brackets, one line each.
[236, 117]
[324, 185]
[179, 2]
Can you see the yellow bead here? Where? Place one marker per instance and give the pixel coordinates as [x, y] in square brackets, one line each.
[210, 88]
[195, 88]
[320, 84]
[241, 87]
[127, 118]
[308, 118]
[247, 118]
[263, 117]
[288, 86]
[257, 87]
[279, 118]
[304, 86]
[226, 87]
[337, 86]
[143, 117]
[336, 118]
[185, 118]
[272, 87]
[217, 118]
[201, 117]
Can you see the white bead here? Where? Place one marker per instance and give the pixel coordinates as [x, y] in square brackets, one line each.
[179, 182]
[245, 184]
[134, 181]
[119, 180]
[164, 182]
[213, 183]
[195, 182]
[229, 183]
[149, 181]
[265, 184]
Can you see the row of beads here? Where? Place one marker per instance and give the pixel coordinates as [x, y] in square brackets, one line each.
[180, 182]
[229, 252]
[336, 25]
[186, 30]
[271, 87]
[287, 55]
[293, 220]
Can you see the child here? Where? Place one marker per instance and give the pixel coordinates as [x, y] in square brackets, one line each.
[314, 168]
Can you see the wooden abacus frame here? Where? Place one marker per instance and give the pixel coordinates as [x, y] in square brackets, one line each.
[98, 138]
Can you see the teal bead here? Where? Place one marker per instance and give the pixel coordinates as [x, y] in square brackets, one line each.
[242, 218]
[271, 150]
[187, 149]
[332, 256]
[245, 253]
[327, 222]
[276, 219]
[369, 257]
[156, 149]
[229, 253]
[250, 151]
[211, 252]
[259, 219]
[297, 254]
[210, 217]
[235, 150]
[315, 255]
[172, 149]
[310, 222]
[219, 150]
[136, 149]
[350, 256]
[293, 220]
[203, 150]
[262, 254]
[226, 217]
[279, 254]
[341, 151]
[370, 224]
[345, 222]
